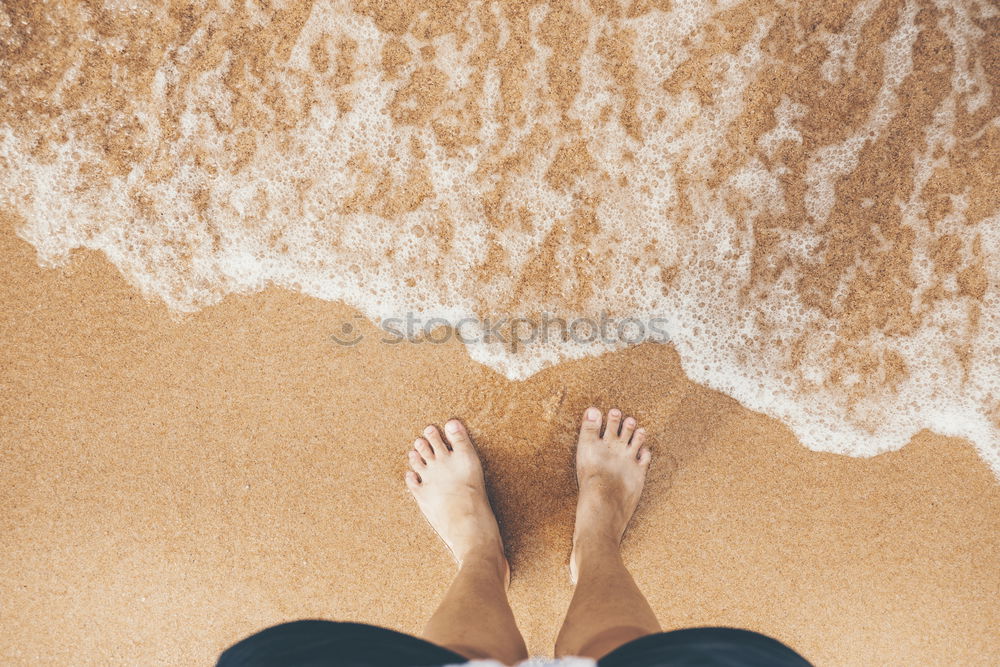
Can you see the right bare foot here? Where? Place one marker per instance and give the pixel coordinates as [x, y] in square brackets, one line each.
[610, 471]
[447, 483]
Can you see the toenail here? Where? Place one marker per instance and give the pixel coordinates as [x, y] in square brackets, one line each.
[429, 430]
[593, 414]
[630, 422]
[451, 427]
[616, 413]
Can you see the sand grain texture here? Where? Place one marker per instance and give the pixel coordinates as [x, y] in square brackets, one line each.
[171, 486]
[807, 191]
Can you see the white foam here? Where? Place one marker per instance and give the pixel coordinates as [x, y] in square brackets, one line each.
[292, 216]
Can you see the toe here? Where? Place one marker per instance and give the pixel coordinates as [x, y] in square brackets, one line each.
[434, 437]
[457, 436]
[416, 462]
[645, 456]
[638, 437]
[628, 426]
[591, 425]
[412, 480]
[613, 425]
[424, 449]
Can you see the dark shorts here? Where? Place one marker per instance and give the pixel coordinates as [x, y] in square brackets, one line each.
[328, 644]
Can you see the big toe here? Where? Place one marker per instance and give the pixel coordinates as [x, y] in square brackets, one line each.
[457, 436]
[590, 427]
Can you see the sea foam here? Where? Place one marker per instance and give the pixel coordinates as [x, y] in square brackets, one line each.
[805, 195]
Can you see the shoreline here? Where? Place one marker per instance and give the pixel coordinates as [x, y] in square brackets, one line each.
[175, 484]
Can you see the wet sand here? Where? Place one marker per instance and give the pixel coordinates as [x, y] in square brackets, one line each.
[172, 486]
[806, 192]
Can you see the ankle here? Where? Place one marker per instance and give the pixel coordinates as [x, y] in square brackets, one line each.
[489, 556]
[591, 545]
[595, 538]
[599, 520]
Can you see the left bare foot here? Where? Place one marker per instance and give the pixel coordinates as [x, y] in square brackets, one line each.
[448, 485]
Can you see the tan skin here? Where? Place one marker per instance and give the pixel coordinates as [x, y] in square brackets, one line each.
[475, 619]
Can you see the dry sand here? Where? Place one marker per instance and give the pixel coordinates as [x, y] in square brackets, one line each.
[172, 486]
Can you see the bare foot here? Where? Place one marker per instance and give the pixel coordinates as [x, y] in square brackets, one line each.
[448, 485]
[610, 471]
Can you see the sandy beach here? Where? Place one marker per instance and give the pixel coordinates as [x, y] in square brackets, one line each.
[199, 199]
[172, 486]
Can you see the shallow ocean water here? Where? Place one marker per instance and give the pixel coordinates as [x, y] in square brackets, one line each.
[803, 197]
